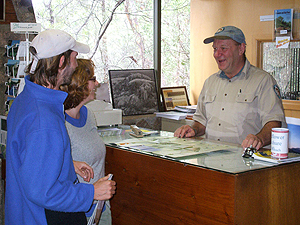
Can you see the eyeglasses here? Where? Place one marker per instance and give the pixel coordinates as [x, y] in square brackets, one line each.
[249, 152]
[93, 78]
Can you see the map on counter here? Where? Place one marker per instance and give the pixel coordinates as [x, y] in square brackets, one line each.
[173, 146]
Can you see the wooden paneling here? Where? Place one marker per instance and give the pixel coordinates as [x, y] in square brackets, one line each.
[208, 16]
[152, 190]
[10, 13]
[291, 108]
[269, 196]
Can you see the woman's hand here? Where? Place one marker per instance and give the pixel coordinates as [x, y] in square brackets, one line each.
[84, 170]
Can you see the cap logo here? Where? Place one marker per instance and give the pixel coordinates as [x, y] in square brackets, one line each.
[220, 30]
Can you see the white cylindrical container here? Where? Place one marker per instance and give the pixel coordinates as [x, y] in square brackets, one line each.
[280, 142]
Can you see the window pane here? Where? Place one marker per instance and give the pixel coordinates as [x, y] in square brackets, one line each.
[127, 41]
[175, 43]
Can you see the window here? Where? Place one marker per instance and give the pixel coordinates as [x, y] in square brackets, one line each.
[120, 33]
[175, 43]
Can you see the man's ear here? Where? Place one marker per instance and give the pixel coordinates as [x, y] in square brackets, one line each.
[61, 61]
[242, 48]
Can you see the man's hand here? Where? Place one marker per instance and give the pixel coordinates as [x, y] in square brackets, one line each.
[263, 138]
[104, 188]
[185, 131]
[253, 140]
[190, 131]
[84, 170]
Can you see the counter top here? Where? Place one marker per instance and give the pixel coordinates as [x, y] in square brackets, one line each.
[220, 156]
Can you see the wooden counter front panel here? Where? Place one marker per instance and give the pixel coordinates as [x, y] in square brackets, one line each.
[269, 196]
[151, 190]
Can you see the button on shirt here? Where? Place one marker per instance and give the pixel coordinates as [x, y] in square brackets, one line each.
[233, 108]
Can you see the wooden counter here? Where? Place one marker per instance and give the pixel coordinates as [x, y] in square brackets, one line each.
[158, 191]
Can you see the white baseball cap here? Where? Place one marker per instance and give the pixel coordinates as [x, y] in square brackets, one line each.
[52, 42]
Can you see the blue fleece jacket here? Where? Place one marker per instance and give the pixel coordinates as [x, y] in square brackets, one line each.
[40, 172]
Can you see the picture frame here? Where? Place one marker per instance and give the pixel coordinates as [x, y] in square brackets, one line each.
[134, 91]
[174, 96]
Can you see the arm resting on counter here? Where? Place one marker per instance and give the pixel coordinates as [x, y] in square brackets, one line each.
[263, 138]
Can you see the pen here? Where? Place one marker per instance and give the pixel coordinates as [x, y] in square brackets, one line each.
[110, 176]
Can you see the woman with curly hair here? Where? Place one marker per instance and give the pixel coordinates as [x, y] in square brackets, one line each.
[86, 143]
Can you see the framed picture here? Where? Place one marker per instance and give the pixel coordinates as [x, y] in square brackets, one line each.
[174, 96]
[2, 9]
[134, 91]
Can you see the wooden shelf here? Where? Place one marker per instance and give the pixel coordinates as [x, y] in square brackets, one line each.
[291, 108]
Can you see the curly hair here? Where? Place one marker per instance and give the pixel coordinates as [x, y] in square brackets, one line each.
[47, 69]
[78, 89]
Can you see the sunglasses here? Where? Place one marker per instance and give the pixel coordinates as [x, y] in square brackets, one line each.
[93, 78]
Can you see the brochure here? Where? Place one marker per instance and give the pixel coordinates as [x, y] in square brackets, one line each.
[283, 22]
[266, 156]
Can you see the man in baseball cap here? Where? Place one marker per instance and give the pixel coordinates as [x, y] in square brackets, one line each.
[58, 42]
[42, 186]
[240, 103]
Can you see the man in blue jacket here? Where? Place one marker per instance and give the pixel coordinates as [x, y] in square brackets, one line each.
[42, 186]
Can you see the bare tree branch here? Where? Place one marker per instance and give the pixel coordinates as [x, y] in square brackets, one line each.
[88, 17]
[106, 26]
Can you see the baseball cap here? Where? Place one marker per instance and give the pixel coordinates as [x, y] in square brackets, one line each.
[52, 42]
[227, 32]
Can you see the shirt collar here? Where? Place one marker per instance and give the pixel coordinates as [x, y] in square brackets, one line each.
[43, 93]
[222, 73]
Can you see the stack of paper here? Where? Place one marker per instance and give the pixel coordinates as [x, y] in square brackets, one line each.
[171, 115]
[187, 109]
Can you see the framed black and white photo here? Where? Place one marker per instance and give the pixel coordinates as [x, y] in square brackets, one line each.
[174, 96]
[134, 91]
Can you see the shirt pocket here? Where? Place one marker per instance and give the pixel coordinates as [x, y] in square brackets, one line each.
[208, 101]
[246, 107]
[209, 98]
[245, 98]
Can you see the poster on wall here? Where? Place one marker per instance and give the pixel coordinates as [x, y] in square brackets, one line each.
[2, 9]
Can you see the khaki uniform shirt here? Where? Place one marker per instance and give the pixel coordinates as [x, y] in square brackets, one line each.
[233, 108]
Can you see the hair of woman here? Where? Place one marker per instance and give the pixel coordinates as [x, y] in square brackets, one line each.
[78, 90]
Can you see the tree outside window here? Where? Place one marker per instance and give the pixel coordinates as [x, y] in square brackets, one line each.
[120, 33]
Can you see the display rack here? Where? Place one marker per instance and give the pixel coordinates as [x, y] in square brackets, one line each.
[19, 57]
